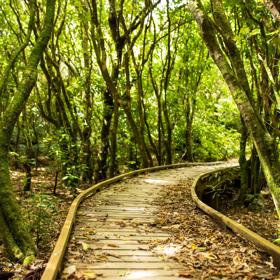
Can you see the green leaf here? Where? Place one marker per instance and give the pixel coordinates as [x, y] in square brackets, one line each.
[254, 32]
[277, 241]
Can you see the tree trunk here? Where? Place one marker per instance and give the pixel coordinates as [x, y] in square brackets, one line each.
[86, 157]
[17, 240]
[105, 134]
[244, 168]
[256, 178]
[139, 139]
[113, 167]
[169, 129]
[189, 116]
[188, 155]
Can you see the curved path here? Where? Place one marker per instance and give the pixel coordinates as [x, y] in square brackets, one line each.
[114, 229]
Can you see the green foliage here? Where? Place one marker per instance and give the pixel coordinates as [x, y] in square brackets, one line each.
[42, 217]
[254, 202]
[214, 143]
[68, 98]
[277, 240]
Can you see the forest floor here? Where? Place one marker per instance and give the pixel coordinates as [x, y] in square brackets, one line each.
[199, 244]
[45, 212]
[260, 218]
[207, 251]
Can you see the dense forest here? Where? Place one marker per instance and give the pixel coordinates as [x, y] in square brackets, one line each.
[94, 88]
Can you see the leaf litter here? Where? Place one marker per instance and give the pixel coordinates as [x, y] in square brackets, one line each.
[204, 249]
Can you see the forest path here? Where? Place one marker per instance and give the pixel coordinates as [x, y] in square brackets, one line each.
[114, 229]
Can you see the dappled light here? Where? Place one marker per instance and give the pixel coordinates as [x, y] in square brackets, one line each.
[155, 181]
[168, 249]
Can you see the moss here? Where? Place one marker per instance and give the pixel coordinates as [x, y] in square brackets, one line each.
[28, 260]
[17, 239]
[13, 251]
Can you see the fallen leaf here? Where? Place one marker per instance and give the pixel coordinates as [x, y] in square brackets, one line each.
[69, 271]
[90, 275]
[85, 246]
[185, 273]
[113, 245]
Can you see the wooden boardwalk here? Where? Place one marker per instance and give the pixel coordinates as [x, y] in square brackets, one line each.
[114, 230]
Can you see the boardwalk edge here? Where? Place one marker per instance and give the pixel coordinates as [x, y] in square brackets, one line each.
[225, 222]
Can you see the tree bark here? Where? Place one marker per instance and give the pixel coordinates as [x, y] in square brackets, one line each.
[113, 166]
[243, 163]
[108, 111]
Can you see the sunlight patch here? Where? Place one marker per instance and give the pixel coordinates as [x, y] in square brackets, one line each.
[168, 249]
[157, 181]
[139, 274]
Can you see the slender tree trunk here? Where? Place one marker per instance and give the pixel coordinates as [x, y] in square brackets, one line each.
[113, 167]
[86, 157]
[86, 131]
[139, 139]
[169, 130]
[189, 116]
[105, 134]
[243, 163]
[141, 114]
[188, 155]
[255, 173]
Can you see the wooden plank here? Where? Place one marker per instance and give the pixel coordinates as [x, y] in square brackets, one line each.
[134, 190]
[112, 233]
[128, 198]
[117, 225]
[121, 234]
[123, 204]
[118, 211]
[118, 251]
[131, 195]
[134, 274]
[114, 215]
[115, 257]
[113, 246]
[100, 207]
[138, 259]
[118, 219]
[118, 208]
[128, 265]
[129, 192]
[116, 242]
[120, 238]
[126, 204]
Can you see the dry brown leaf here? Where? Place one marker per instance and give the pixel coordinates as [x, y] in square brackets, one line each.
[113, 245]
